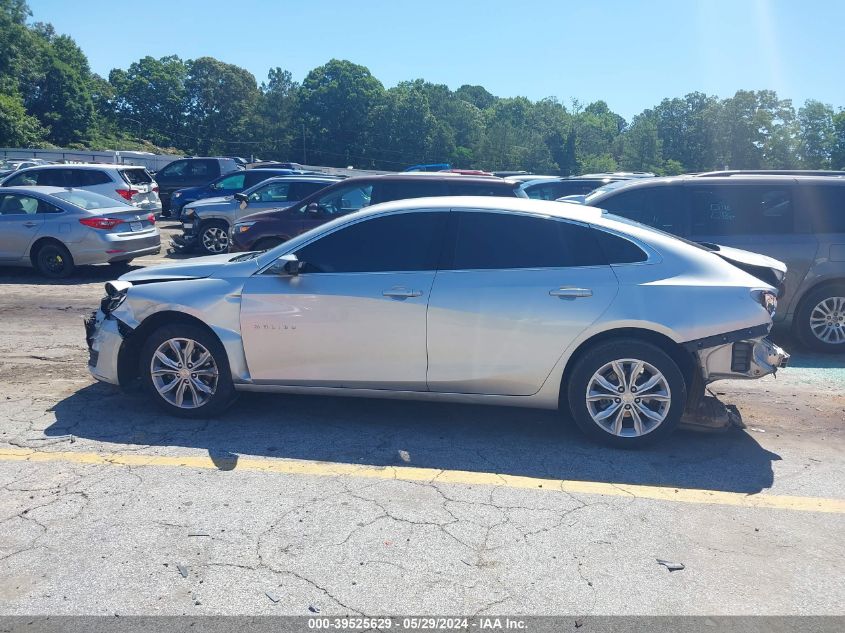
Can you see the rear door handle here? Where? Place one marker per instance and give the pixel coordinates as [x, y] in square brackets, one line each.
[401, 293]
[571, 293]
[29, 225]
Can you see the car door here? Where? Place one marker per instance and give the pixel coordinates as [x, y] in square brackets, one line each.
[512, 294]
[356, 314]
[761, 218]
[20, 223]
[231, 184]
[201, 171]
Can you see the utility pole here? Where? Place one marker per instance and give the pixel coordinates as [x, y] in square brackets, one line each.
[304, 155]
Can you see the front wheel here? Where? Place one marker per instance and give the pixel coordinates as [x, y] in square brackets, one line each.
[626, 394]
[214, 237]
[820, 321]
[186, 370]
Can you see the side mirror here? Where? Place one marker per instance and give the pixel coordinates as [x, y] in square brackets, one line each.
[293, 267]
[287, 265]
[241, 197]
[313, 208]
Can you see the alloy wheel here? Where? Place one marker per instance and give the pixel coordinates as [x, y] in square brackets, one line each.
[184, 373]
[827, 320]
[215, 240]
[628, 397]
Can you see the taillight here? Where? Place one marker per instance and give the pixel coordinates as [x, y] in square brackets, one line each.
[127, 194]
[100, 223]
[155, 189]
[151, 218]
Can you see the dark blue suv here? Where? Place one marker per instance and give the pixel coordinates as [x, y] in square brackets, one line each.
[225, 185]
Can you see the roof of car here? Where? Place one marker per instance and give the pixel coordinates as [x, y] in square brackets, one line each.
[37, 189]
[625, 185]
[432, 175]
[548, 208]
[82, 166]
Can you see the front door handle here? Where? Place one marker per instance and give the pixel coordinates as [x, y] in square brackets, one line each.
[401, 293]
[571, 293]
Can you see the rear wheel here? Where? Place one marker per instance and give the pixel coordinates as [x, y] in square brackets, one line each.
[214, 237]
[186, 370]
[820, 321]
[54, 261]
[626, 393]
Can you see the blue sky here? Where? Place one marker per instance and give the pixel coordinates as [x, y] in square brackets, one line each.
[631, 54]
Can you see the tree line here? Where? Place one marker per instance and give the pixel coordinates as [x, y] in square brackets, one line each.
[342, 115]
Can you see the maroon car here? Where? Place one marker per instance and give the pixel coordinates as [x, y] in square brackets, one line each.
[260, 231]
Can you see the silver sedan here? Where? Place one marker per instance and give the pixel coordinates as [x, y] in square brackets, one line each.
[483, 300]
[55, 229]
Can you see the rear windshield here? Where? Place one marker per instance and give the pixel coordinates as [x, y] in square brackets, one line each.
[88, 200]
[137, 176]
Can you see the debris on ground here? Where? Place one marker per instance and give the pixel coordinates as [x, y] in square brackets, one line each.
[405, 456]
[183, 569]
[670, 565]
[756, 429]
[198, 534]
[313, 609]
[273, 597]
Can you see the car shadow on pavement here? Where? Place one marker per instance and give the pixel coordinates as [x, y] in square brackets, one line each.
[502, 440]
[82, 275]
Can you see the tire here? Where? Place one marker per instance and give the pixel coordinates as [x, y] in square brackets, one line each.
[54, 261]
[820, 321]
[121, 266]
[214, 234]
[626, 425]
[189, 401]
[265, 244]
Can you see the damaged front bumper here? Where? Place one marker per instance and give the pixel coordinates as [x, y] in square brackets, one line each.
[104, 339]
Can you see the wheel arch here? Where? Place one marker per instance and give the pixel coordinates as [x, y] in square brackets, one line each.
[39, 243]
[819, 284]
[683, 358]
[128, 359]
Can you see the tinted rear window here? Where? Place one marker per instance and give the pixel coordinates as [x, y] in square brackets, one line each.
[826, 204]
[618, 250]
[136, 176]
[741, 210]
[485, 241]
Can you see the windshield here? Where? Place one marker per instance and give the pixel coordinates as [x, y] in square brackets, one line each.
[88, 200]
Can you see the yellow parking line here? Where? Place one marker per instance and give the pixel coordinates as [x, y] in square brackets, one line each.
[409, 473]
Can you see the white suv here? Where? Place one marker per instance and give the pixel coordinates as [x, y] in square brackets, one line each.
[127, 183]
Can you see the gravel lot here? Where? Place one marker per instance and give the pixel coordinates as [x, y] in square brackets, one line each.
[381, 507]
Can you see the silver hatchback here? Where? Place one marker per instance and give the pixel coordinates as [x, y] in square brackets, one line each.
[56, 229]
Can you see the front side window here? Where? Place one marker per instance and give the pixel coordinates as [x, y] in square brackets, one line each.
[272, 192]
[26, 179]
[235, 181]
[175, 169]
[203, 169]
[14, 204]
[345, 200]
[742, 210]
[398, 242]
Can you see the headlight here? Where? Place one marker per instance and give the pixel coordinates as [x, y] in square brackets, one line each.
[177, 194]
[241, 227]
[767, 299]
[189, 213]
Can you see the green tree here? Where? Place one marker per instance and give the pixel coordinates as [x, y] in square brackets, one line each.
[837, 153]
[221, 99]
[17, 128]
[276, 133]
[642, 149]
[150, 99]
[817, 133]
[335, 102]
